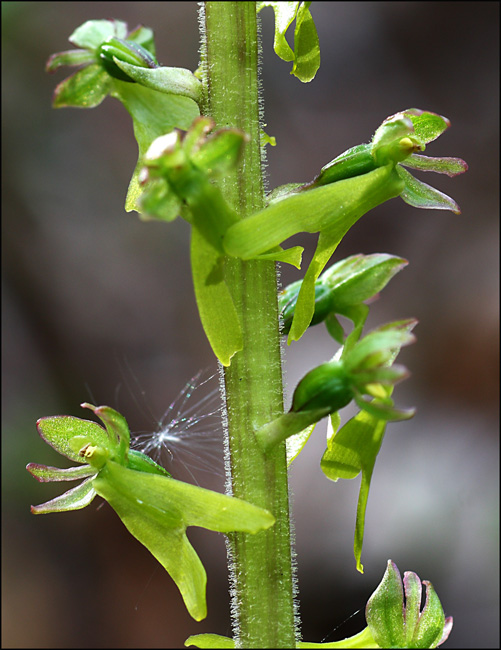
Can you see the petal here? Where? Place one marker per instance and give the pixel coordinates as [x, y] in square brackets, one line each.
[85, 88]
[421, 195]
[143, 36]
[59, 430]
[70, 57]
[427, 125]
[431, 624]
[447, 630]
[47, 474]
[412, 588]
[376, 349]
[116, 427]
[449, 166]
[74, 499]
[92, 33]
[383, 411]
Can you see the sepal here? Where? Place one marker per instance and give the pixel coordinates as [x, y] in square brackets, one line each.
[421, 195]
[395, 624]
[75, 499]
[47, 474]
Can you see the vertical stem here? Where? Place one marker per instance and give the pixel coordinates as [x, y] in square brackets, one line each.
[263, 605]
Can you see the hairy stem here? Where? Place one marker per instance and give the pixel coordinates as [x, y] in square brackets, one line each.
[263, 606]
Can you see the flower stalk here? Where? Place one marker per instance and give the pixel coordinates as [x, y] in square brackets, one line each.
[262, 568]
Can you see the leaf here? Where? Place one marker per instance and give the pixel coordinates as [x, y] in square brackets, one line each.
[296, 443]
[215, 305]
[421, 195]
[209, 641]
[157, 509]
[153, 114]
[306, 45]
[361, 640]
[306, 56]
[334, 207]
[354, 449]
[285, 12]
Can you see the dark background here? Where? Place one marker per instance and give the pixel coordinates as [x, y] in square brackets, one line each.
[93, 300]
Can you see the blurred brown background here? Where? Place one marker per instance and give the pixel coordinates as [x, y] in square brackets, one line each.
[90, 291]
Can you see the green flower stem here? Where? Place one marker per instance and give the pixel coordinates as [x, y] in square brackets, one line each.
[262, 563]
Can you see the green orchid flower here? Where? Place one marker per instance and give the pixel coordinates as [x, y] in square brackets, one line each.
[342, 289]
[397, 141]
[364, 368]
[177, 180]
[155, 508]
[398, 624]
[108, 52]
[347, 188]
[122, 64]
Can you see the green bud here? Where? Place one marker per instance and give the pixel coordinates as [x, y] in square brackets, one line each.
[325, 387]
[395, 625]
[353, 162]
[349, 282]
[287, 303]
[126, 51]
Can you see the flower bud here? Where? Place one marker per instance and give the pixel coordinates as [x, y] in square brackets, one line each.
[325, 387]
[287, 303]
[395, 625]
[126, 51]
